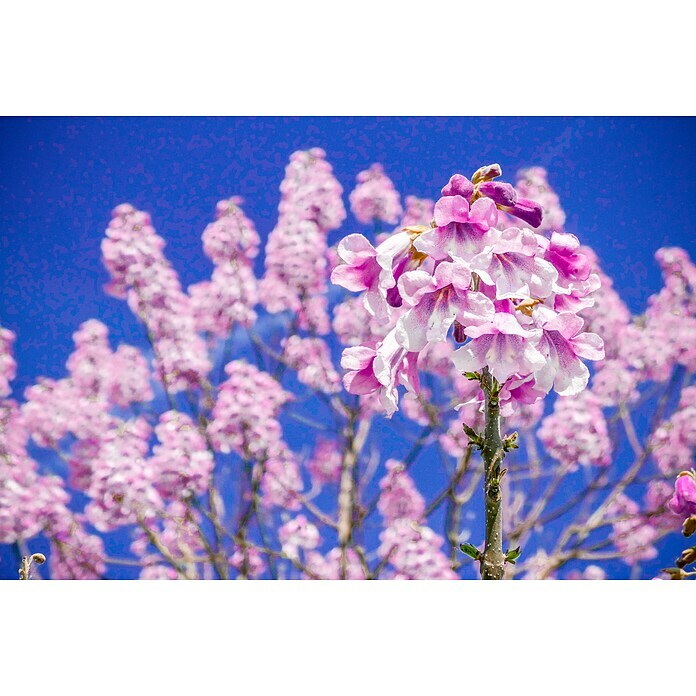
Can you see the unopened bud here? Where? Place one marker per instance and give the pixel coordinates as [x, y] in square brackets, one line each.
[687, 557]
[675, 573]
[487, 173]
[689, 526]
[526, 210]
[500, 193]
[458, 185]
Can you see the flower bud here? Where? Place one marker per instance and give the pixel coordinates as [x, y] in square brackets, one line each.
[688, 556]
[458, 185]
[526, 210]
[675, 573]
[499, 192]
[487, 173]
[684, 500]
[689, 526]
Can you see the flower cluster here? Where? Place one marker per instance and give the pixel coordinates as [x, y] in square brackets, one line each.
[296, 534]
[229, 297]
[122, 481]
[415, 552]
[576, 432]
[178, 539]
[99, 380]
[483, 283]
[324, 466]
[399, 498]
[510, 294]
[632, 534]
[375, 198]
[26, 498]
[182, 462]
[133, 255]
[311, 358]
[674, 442]
[329, 567]
[419, 211]
[8, 366]
[296, 251]
[245, 420]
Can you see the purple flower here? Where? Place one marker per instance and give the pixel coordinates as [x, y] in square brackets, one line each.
[526, 210]
[684, 500]
[370, 269]
[500, 193]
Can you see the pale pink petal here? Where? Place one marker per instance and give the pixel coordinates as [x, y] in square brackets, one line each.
[355, 249]
[588, 345]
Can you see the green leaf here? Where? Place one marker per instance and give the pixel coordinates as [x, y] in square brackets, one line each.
[474, 438]
[470, 550]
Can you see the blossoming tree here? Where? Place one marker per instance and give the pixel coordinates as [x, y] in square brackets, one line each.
[231, 444]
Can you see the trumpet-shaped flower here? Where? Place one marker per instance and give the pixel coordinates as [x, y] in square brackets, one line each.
[562, 345]
[503, 346]
[436, 301]
[380, 367]
[509, 261]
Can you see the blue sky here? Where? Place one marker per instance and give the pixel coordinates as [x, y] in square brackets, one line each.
[627, 185]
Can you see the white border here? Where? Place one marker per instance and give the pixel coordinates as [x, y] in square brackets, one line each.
[338, 638]
[364, 57]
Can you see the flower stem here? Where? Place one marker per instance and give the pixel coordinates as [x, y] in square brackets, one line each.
[493, 559]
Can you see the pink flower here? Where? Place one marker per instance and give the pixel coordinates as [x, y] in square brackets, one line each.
[503, 346]
[297, 534]
[310, 191]
[684, 500]
[460, 228]
[419, 211]
[509, 261]
[563, 251]
[324, 466]
[232, 235]
[375, 271]
[312, 360]
[673, 443]
[8, 366]
[296, 270]
[576, 433]
[562, 345]
[182, 461]
[415, 552]
[436, 301]
[380, 368]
